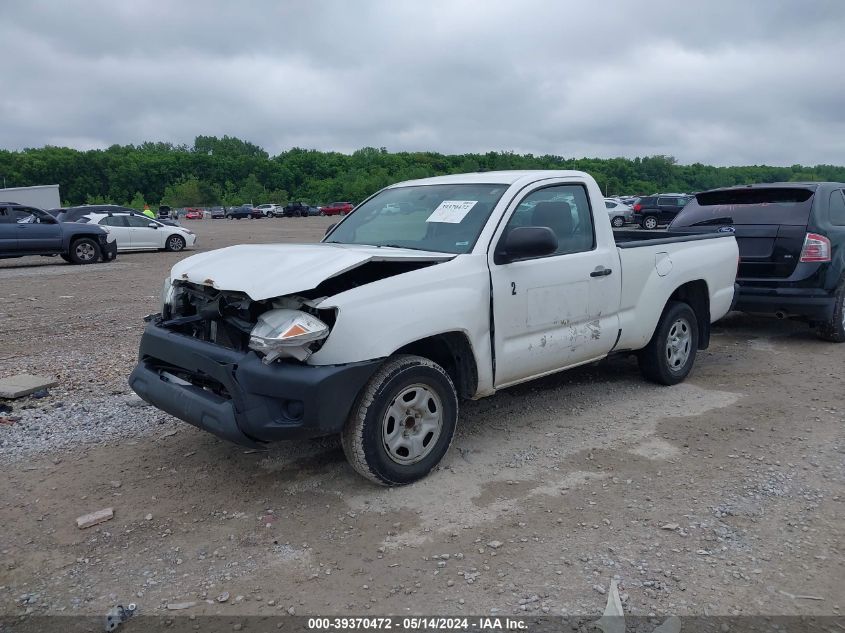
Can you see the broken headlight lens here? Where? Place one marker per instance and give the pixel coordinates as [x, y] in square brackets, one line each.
[285, 332]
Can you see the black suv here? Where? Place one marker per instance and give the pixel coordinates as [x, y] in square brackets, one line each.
[791, 239]
[652, 211]
[295, 210]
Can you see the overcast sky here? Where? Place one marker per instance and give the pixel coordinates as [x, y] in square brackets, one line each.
[722, 82]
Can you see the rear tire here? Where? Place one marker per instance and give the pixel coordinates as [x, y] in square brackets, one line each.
[670, 354]
[84, 250]
[649, 223]
[402, 422]
[834, 330]
[618, 222]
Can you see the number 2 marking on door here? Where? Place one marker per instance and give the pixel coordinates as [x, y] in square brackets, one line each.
[513, 287]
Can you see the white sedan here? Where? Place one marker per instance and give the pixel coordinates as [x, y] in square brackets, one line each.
[620, 214]
[135, 232]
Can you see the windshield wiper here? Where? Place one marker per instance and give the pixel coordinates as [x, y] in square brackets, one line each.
[713, 221]
[398, 246]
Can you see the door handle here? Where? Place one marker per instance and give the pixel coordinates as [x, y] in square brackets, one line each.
[601, 271]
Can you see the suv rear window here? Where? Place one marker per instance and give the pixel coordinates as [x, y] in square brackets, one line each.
[780, 205]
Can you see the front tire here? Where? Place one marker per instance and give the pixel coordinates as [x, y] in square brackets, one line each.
[84, 251]
[834, 330]
[618, 222]
[402, 422]
[174, 243]
[229, 216]
[670, 354]
[649, 223]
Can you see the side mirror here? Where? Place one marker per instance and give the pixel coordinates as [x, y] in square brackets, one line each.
[526, 242]
[329, 229]
[153, 225]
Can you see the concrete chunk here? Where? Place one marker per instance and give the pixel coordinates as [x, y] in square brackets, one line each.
[87, 520]
[23, 385]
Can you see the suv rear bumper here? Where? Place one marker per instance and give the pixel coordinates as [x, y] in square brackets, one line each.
[261, 403]
[813, 304]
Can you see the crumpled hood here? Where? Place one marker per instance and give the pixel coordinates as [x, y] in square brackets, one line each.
[265, 271]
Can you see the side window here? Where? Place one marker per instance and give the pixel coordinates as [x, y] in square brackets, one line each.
[114, 220]
[564, 209]
[837, 207]
[138, 222]
[22, 215]
[609, 205]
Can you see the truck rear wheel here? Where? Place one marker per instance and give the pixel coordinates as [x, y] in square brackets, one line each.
[402, 422]
[84, 251]
[670, 354]
[834, 330]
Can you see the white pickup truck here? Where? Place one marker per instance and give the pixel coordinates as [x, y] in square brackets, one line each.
[429, 291]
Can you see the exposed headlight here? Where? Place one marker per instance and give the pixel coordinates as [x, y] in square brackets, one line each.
[285, 332]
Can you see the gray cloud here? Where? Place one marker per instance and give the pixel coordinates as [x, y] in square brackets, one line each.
[719, 82]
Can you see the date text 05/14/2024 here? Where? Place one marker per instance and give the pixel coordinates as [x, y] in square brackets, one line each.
[416, 623]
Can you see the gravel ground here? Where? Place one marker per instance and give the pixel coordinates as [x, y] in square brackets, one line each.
[723, 495]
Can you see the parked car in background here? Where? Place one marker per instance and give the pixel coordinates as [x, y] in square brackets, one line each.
[619, 214]
[269, 210]
[337, 208]
[137, 233]
[217, 212]
[653, 211]
[194, 214]
[72, 214]
[791, 240]
[30, 231]
[164, 212]
[239, 212]
[295, 210]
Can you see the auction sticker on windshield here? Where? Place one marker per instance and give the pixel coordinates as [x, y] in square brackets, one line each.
[452, 211]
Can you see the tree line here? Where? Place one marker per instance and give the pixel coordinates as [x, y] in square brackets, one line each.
[229, 171]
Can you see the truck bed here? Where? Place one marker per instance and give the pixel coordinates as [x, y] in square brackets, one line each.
[634, 239]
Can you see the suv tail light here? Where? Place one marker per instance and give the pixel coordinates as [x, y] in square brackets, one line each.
[638, 207]
[816, 248]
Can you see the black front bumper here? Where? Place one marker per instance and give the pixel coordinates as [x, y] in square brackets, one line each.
[812, 304]
[109, 251]
[254, 402]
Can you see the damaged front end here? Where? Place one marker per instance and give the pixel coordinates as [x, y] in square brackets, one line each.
[286, 327]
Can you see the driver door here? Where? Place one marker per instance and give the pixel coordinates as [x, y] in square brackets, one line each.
[558, 310]
[38, 231]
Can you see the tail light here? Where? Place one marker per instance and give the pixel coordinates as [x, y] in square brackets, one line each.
[638, 207]
[816, 248]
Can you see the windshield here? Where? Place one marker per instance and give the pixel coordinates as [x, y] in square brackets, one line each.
[440, 218]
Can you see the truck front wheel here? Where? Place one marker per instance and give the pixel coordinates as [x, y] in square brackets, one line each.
[84, 250]
[670, 354]
[402, 422]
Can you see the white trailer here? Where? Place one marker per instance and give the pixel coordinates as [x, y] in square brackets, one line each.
[40, 196]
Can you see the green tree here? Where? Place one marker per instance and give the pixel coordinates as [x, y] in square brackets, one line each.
[137, 201]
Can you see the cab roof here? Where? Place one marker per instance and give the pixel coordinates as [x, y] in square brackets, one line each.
[494, 177]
